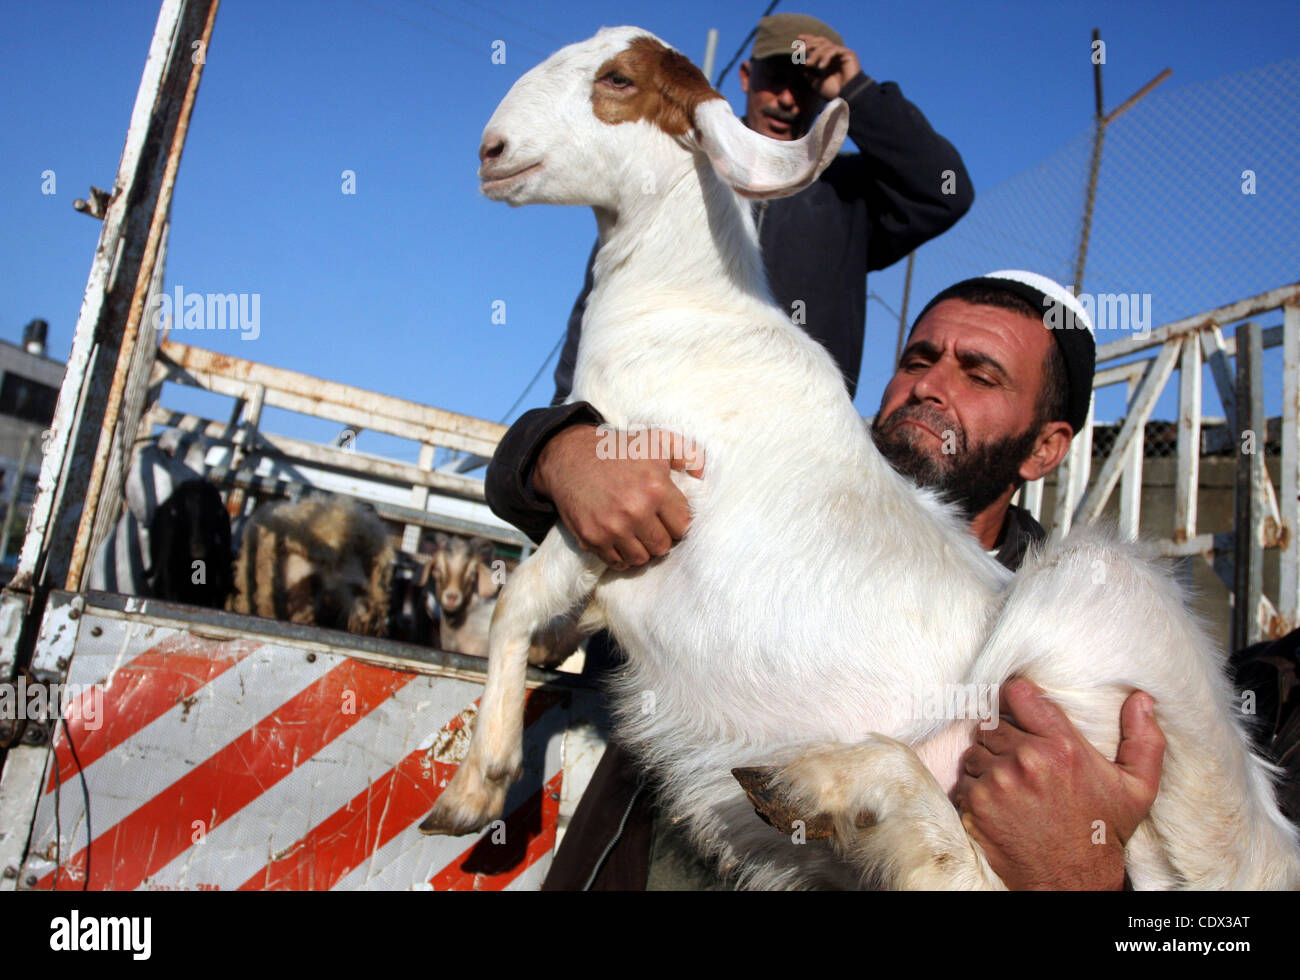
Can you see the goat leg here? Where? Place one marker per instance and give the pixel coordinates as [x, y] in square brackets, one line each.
[893, 821]
[554, 581]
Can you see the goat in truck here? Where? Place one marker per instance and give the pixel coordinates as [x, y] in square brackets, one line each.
[680, 333]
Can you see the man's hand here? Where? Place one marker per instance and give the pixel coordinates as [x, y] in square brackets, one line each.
[831, 65]
[1032, 792]
[625, 511]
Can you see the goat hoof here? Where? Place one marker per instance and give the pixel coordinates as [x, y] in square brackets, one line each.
[440, 823]
[450, 819]
[465, 807]
[776, 808]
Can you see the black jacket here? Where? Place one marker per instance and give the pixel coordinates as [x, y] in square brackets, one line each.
[865, 212]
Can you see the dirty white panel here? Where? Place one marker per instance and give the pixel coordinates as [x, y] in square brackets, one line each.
[219, 762]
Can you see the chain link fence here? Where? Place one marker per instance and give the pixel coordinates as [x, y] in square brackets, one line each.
[1197, 205]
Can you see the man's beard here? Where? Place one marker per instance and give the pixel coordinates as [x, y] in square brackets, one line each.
[970, 478]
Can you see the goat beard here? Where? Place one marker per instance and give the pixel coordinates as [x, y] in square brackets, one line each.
[969, 478]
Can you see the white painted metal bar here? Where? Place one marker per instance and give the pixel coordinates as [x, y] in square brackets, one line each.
[419, 501]
[1272, 338]
[272, 446]
[1031, 498]
[246, 439]
[1130, 490]
[1232, 313]
[1072, 479]
[322, 398]
[1216, 356]
[173, 126]
[1189, 440]
[1289, 484]
[1119, 374]
[1134, 427]
[93, 302]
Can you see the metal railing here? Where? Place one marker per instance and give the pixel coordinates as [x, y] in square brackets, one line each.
[248, 459]
[1266, 516]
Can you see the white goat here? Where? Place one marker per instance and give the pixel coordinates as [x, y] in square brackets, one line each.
[894, 594]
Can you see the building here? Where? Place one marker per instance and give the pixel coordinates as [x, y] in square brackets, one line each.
[29, 391]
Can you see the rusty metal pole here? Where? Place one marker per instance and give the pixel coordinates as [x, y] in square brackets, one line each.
[1101, 120]
[902, 313]
[125, 429]
[1094, 166]
[130, 334]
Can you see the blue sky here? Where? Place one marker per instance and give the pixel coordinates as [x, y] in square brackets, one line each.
[392, 288]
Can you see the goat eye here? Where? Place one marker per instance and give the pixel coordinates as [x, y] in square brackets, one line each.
[617, 80]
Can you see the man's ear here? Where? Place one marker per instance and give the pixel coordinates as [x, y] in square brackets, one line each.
[1052, 445]
[744, 77]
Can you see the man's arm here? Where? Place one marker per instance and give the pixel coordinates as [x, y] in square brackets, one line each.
[550, 464]
[913, 179]
[1048, 809]
[508, 484]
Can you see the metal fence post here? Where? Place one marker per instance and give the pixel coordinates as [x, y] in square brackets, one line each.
[1248, 579]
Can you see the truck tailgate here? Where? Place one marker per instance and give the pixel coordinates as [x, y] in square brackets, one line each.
[225, 752]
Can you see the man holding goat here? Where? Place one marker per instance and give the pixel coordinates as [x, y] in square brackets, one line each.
[982, 400]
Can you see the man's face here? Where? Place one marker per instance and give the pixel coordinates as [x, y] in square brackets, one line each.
[959, 413]
[782, 101]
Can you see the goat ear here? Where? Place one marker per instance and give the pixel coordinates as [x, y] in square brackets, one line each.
[760, 167]
[487, 585]
[484, 552]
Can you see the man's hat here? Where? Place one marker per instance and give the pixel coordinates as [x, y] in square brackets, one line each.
[1063, 314]
[776, 34]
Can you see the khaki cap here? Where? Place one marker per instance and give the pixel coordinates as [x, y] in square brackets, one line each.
[776, 34]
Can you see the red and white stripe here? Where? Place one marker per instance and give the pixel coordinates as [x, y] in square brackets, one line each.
[291, 770]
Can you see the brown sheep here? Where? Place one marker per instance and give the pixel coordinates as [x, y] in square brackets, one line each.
[321, 562]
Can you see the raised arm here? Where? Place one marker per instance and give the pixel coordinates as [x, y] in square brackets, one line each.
[913, 179]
